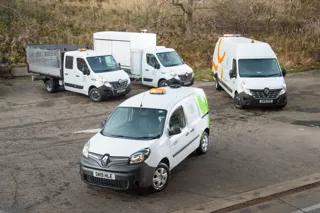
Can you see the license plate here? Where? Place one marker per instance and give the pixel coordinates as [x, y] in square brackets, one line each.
[104, 175]
[187, 82]
[120, 90]
[266, 101]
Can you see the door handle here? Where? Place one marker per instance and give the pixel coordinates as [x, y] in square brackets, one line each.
[187, 134]
[77, 76]
[146, 70]
[192, 130]
[66, 73]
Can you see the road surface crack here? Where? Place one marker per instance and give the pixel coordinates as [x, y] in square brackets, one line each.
[291, 205]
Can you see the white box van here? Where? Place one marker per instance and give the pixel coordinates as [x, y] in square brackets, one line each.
[146, 137]
[249, 72]
[141, 58]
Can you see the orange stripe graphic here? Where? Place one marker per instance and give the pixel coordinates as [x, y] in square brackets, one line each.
[214, 66]
[220, 59]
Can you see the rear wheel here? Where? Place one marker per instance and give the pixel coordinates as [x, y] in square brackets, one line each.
[204, 143]
[160, 177]
[237, 102]
[95, 95]
[52, 85]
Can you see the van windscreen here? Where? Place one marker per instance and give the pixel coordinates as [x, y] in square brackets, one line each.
[255, 68]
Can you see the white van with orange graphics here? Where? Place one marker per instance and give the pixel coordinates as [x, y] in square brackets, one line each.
[249, 72]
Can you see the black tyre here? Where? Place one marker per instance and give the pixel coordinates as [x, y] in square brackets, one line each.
[237, 102]
[160, 178]
[204, 143]
[52, 85]
[163, 83]
[282, 106]
[217, 85]
[95, 95]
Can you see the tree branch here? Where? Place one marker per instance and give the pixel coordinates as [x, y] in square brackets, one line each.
[16, 12]
[177, 4]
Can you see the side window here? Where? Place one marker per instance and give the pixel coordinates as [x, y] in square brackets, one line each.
[151, 60]
[178, 118]
[81, 64]
[69, 62]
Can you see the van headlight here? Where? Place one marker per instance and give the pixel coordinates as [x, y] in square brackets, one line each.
[104, 82]
[246, 90]
[284, 90]
[139, 156]
[85, 150]
[173, 74]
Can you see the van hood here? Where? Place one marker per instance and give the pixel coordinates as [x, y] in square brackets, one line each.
[181, 70]
[261, 83]
[114, 75]
[118, 147]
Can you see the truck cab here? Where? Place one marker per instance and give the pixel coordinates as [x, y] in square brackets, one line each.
[160, 65]
[142, 59]
[95, 75]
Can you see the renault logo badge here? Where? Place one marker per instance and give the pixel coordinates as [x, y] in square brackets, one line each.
[266, 91]
[120, 81]
[105, 160]
[187, 74]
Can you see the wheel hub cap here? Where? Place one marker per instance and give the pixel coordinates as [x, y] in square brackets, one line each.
[160, 178]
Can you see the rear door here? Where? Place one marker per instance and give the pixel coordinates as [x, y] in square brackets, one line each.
[193, 118]
[69, 75]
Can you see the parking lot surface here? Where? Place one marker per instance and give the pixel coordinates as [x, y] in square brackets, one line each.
[39, 155]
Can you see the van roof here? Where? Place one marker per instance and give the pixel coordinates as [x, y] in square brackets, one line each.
[160, 101]
[245, 48]
[85, 53]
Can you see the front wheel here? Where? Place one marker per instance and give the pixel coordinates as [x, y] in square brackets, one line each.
[160, 177]
[95, 95]
[237, 102]
[204, 143]
[163, 83]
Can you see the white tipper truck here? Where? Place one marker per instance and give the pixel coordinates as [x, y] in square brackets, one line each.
[77, 69]
[142, 59]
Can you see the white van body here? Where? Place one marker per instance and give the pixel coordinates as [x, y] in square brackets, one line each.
[249, 72]
[82, 71]
[141, 58]
[183, 109]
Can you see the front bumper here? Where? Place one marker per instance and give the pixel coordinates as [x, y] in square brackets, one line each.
[182, 82]
[110, 92]
[247, 100]
[126, 176]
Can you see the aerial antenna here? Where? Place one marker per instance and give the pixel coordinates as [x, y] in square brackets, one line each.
[142, 99]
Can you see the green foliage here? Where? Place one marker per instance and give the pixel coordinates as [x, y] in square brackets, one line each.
[291, 27]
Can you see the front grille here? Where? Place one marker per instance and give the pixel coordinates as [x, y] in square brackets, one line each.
[116, 184]
[260, 94]
[119, 85]
[185, 78]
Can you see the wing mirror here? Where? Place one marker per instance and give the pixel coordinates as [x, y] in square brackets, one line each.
[119, 65]
[157, 66]
[86, 71]
[284, 72]
[175, 130]
[103, 123]
[232, 74]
